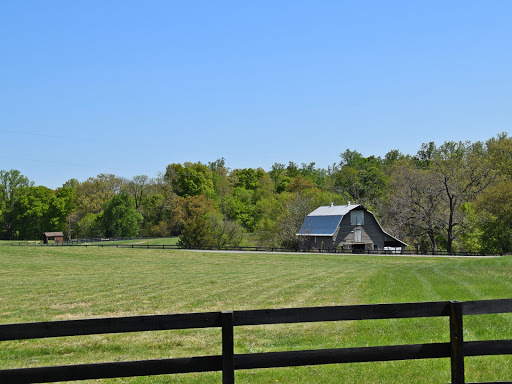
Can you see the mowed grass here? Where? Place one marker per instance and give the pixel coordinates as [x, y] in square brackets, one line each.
[59, 283]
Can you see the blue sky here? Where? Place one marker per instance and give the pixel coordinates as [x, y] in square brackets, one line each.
[128, 87]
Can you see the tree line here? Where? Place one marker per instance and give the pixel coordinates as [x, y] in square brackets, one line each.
[456, 196]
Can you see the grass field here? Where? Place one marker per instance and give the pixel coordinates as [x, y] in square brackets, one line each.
[57, 283]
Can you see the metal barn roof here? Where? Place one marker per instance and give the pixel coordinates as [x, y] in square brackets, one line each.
[320, 225]
[334, 210]
[324, 220]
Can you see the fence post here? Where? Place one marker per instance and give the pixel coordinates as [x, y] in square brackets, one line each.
[228, 366]
[456, 342]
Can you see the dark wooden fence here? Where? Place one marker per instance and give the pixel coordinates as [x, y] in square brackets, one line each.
[229, 362]
[106, 243]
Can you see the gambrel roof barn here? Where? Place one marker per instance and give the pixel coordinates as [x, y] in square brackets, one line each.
[351, 227]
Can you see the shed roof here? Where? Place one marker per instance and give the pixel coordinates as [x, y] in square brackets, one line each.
[53, 234]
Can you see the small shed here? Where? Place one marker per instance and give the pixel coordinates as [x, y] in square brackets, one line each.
[58, 237]
[350, 227]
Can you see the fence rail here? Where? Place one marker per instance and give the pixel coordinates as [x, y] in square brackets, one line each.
[229, 362]
[98, 242]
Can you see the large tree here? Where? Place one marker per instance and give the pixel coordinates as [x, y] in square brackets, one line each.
[362, 178]
[495, 209]
[138, 188]
[62, 209]
[12, 184]
[198, 230]
[463, 173]
[495, 204]
[431, 194]
[414, 206]
[32, 209]
[221, 183]
[95, 191]
[190, 179]
[279, 177]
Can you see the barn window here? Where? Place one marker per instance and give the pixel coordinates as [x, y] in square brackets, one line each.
[356, 217]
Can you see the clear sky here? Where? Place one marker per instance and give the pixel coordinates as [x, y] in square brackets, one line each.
[128, 87]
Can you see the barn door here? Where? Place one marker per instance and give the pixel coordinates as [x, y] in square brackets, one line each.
[357, 235]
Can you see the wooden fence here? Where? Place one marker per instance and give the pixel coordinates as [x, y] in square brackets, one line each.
[229, 362]
[105, 243]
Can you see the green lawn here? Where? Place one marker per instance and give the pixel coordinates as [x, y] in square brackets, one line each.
[57, 283]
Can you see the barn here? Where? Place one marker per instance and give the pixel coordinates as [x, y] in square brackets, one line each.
[350, 227]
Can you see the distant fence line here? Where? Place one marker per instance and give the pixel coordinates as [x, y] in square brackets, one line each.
[104, 242]
[77, 241]
[456, 349]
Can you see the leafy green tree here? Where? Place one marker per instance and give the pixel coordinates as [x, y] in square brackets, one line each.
[279, 177]
[282, 176]
[471, 238]
[198, 230]
[267, 211]
[120, 218]
[95, 191]
[499, 151]
[292, 170]
[138, 187]
[190, 179]
[351, 158]
[221, 183]
[90, 196]
[89, 227]
[317, 175]
[300, 183]
[62, 209]
[71, 183]
[226, 233]
[363, 179]
[247, 178]
[164, 215]
[205, 227]
[73, 217]
[495, 207]
[12, 184]
[392, 157]
[239, 207]
[425, 155]
[33, 212]
[495, 203]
